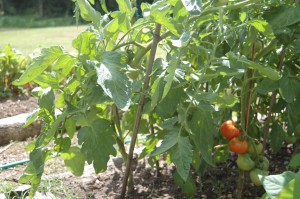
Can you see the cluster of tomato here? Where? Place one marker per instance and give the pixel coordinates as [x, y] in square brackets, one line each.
[250, 152]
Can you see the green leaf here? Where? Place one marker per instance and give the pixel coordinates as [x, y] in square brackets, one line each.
[70, 125]
[202, 129]
[295, 161]
[263, 27]
[88, 13]
[160, 12]
[181, 155]
[263, 70]
[283, 16]
[32, 116]
[169, 78]
[288, 89]
[41, 63]
[291, 190]
[273, 184]
[226, 100]
[46, 100]
[97, 143]
[183, 40]
[168, 142]
[266, 86]
[194, 7]
[125, 6]
[113, 80]
[85, 44]
[167, 107]
[74, 160]
[188, 187]
[277, 136]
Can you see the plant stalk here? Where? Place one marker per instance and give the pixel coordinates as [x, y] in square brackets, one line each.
[138, 115]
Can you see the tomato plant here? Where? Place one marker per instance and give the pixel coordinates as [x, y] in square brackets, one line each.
[172, 76]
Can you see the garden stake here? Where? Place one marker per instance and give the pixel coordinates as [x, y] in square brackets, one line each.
[138, 115]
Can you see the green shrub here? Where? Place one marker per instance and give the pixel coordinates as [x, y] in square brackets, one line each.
[12, 65]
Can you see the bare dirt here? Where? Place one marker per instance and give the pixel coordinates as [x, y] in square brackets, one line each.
[218, 182]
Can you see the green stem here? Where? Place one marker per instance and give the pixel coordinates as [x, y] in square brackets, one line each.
[141, 104]
[240, 186]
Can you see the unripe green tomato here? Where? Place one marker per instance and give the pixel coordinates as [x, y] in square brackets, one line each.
[244, 162]
[290, 139]
[297, 131]
[263, 163]
[254, 176]
[255, 148]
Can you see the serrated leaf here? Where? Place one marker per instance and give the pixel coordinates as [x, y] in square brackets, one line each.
[39, 64]
[181, 155]
[113, 80]
[273, 184]
[168, 142]
[194, 7]
[74, 160]
[97, 143]
[202, 129]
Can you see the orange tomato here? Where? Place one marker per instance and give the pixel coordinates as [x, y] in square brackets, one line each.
[229, 130]
[238, 146]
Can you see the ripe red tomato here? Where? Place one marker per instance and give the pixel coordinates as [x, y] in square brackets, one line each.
[229, 130]
[238, 146]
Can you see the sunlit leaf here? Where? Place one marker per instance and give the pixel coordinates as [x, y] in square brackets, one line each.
[113, 80]
[74, 160]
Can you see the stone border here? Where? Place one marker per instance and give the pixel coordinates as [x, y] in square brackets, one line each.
[11, 129]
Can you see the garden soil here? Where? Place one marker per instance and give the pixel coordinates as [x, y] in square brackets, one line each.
[218, 182]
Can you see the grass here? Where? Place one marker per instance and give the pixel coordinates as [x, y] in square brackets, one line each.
[29, 21]
[27, 40]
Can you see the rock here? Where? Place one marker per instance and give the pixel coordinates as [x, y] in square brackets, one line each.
[11, 128]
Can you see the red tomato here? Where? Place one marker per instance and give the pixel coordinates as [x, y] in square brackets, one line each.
[229, 130]
[238, 146]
